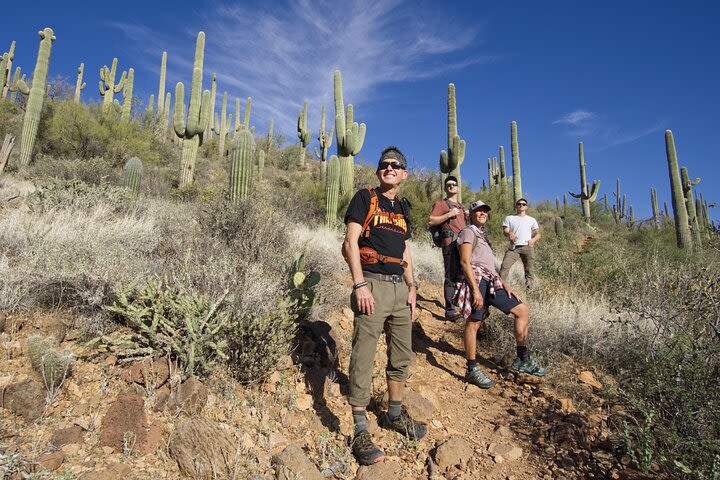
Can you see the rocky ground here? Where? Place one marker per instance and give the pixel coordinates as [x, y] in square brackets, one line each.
[113, 420]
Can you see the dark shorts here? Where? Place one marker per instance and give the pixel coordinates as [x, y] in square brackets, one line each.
[500, 300]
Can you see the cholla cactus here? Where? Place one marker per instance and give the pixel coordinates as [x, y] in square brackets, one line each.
[332, 190]
[36, 96]
[79, 84]
[304, 134]
[107, 86]
[452, 159]
[191, 130]
[128, 95]
[349, 135]
[133, 170]
[682, 227]
[587, 194]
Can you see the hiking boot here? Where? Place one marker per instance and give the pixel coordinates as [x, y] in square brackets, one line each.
[478, 378]
[365, 451]
[530, 366]
[406, 425]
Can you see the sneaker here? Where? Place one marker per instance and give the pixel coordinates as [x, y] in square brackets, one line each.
[407, 426]
[531, 367]
[478, 378]
[365, 451]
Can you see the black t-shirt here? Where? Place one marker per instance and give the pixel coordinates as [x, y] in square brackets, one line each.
[388, 230]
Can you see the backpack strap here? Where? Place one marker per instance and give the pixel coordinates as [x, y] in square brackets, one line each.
[372, 211]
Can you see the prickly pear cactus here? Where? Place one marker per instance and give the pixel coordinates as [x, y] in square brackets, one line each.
[452, 159]
[332, 190]
[133, 171]
[36, 96]
[107, 86]
[349, 135]
[191, 130]
[240, 165]
[587, 195]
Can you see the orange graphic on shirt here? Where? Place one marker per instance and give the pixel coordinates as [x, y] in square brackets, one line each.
[383, 219]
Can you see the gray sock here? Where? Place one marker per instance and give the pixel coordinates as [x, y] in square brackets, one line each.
[360, 420]
[394, 409]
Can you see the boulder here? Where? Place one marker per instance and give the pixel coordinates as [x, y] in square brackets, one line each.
[508, 452]
[125, 426]
[148, 372]
[203, 448]
[191, 397]
[293, 463]
[453, 452]
[418, 407]
[386, 470]
[116, 471]
[67, 436]
[26, 399]
[51, 461]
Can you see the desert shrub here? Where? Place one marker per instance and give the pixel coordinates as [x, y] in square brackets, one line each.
[54, 194]
[91, 170]
[164, 318]
[53, 365]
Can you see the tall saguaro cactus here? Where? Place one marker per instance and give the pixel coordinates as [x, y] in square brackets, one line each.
[14, 85]
[349, 135]
[6, 69]
[587, 195]
[79, 84]
[161, 86]
[213, 94]
[36, 95]
[451, 159]
[107, 86]
[332, 190]
[325, 142]
[304, 134]
[682, 227]
[128, 95]
[687, 185]
[517, 180]
[191, 130]
[222, 125]
[654, 203]
[241, 165]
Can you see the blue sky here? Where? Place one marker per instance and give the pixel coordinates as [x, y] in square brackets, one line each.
[614, 75]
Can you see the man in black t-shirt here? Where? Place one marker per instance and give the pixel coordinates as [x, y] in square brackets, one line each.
[383, 299]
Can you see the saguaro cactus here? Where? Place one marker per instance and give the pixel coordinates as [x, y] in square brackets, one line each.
[191, 130]
[211, 126]
[133, 170]
[559, 230]
[222, 125]
[682, 227]
[36, 95]
[261, 164]
[246, 116]
[687, 185]
[587, 194]
[349, 135]
[451, 159]
[128, 95]
[304, 134]
[14, 84]
[161, 85]
[107, 86]
[325, 141]
[619, 209]
[517, 180]
[6, 69]
[79, 84]
[332, 190]
[654, 202]
[241, 165]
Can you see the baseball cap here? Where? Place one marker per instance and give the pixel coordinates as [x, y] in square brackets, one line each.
[477, 204]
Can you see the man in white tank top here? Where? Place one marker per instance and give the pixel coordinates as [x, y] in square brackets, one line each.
[523, 232]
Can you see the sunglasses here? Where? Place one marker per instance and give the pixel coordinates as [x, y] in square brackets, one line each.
[394, 165]
[451, 184]
[521, 204]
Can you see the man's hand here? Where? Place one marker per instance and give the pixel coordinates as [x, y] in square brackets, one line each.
[412, 301]
[512, 237]
[477, 298]
[531, 242]
[454, 212]
[365, 300]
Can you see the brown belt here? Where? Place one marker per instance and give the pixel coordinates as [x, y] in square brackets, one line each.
[384, 278]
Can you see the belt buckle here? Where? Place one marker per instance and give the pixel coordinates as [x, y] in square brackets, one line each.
[395, 278]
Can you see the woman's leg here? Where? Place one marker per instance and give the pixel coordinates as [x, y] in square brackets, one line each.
[471, 329]
[522, 316]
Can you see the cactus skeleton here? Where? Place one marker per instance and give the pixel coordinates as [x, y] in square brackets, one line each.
[191, 130]
[349, 136]
[587, 195]
[36, 96]
[453, 158]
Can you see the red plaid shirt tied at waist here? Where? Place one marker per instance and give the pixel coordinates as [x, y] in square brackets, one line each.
[463, 297]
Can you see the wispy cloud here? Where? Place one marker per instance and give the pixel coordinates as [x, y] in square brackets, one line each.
[602, 133]
[286, 53]
[612, 138]
[575, 118]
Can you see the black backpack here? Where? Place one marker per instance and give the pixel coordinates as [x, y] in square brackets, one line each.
[437, 233]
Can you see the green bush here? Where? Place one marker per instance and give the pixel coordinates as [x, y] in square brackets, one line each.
[54, 194]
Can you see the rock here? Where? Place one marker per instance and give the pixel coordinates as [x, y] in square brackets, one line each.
[293, 463]
[277, 441]
[588, 378]
[304, 402]
[203, 448]
[51, 461]
[503, 431]
[70, 449]
[511, 453]
[418, 407]
[66, 436]
[26, 399]
[161, 401]
[116, 471]
[453, 452]
[127, 414]
[388, 469]
[566, 405]
[191, 397]
[150, 373]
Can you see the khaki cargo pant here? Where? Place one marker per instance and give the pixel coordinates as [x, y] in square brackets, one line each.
[392, 314]
[526, 253]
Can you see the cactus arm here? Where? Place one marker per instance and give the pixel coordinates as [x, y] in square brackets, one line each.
[22, 87]
[101, 88]
[179, 110]
[246, 118]
[121, 84]
[594, 191]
